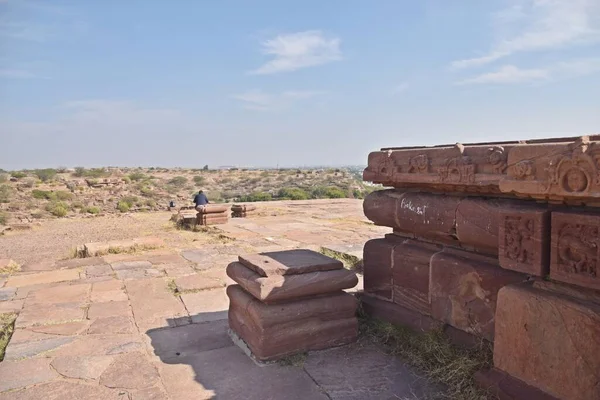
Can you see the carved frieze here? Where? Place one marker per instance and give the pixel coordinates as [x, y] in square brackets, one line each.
[457, 170]
[497, 158]
[419, 164]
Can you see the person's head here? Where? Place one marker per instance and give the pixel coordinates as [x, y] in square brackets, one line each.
[200, 191]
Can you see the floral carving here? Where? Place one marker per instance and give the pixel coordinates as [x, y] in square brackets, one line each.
[577, 172]
[523, 170]
[518, 240]
[578, 249]
[418, 164]
[457, 170]
[497, 157]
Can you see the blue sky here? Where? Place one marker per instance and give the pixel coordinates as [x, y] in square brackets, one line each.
[266, 83]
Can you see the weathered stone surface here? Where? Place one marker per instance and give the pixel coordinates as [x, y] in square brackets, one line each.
[396, 314]
[67, 391]
[197, 282]
[79, 262]
[464, 290]
[199, 256]
[410, 269]
[46, 314]
[7, 293]
[102, 248]
[524, 240]
[279, 287]
[112, 290]
[164, 259]
[478, 221]
[130, 371]
[68, 328]
[16, 351]
[214, 208]
[377, 260]
[207, 305]
[82, 367]
[112, 325]
[98, 270]
[289, 262]
[576, 248]
[42, 277]
[325, 308]
[151, 393]
[293, 337]
[11, 306]
[109, 309]
[18, 374]
[203, 220]
[117, 266]
[195, 378]
[100, 345]
[177, 270]
[363, 371]
[504, 386]
[243, 207]
[181, 341]
[60, 294]
[423, 215]
[128, 274]
[549, 341]
[154, 306]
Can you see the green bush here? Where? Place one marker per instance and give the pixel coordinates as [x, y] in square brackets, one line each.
[63, 195]
[129, 200]
[334, 193]
[18, 174]
[44, 195]
[45, 175]
[292, 194]
[57, 208]
[178, 181]
[123, 206]
[79, 172]
[256, 196]
[3, 218]
[137, 176]
[147, 191]
[151, 203]
[126, 179]
[92, 210]
[199, 180]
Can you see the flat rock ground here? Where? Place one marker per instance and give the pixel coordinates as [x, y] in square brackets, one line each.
[153, 325]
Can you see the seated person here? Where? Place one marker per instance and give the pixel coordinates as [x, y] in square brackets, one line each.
[200, 200]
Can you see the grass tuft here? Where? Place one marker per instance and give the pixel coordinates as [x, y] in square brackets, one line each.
[7, 326]
[10, 268]
[434, 355]
[295, 360]
[350, 262]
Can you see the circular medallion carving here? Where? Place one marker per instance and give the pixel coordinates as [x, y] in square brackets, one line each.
[575, 180]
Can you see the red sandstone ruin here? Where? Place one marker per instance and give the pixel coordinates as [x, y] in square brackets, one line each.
[499, 241]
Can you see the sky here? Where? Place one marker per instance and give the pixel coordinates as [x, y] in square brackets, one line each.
[268, 83]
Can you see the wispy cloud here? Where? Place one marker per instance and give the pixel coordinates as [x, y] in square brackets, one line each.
[299, 50]
[534, 25]
[260, 101]
[16, 74]
[510, 74]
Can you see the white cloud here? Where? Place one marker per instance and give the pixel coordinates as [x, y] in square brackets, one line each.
[299, 50]
[536, 25]
[16, 74]
[508, 74]
[260, 101]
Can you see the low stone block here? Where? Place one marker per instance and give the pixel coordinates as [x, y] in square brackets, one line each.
[214, 208]
[289, 262]
[548, 340]
[464, 288]
[377, 266]
[576, 248]
[398, 315]
[243, 207]
[325, 308]
[410, 274]
[524, 240]
[280, 341]
[286, 287]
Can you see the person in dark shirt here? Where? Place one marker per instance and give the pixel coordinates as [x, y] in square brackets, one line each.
[200, 200]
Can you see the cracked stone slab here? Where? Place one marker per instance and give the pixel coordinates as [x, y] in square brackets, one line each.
[7, 293]
[109, 309]
[112, 325]
[23, 350]
[119, 266]
[66, 391]
[13, 306]
[78, 367]
[130, 371]
[43, 277]
[47, 314]
[60, 294]
[207, 305]
[18, 374]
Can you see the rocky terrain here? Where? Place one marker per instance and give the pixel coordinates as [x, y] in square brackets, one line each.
[26, 196]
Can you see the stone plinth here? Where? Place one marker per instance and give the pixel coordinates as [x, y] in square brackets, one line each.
[243, 210]
[213, 214]
[550, 339]
[290, 302]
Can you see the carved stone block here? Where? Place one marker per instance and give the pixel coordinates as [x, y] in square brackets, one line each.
[411, 274]
[548, 340]
[463, 289]
[524, 239]
[576, 249]
[377, 265]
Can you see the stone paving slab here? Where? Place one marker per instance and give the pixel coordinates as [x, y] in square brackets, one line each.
[7, 293]
[66, 391]
[18, 374]
[207, 305]
[42, 277]
[11, 306]
[197, 282]
[47, 314]
[238, 377]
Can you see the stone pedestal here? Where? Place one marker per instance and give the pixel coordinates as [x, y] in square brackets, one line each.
[213, 214]
[243, 210]
[291, 301]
